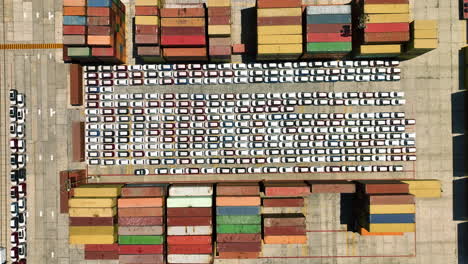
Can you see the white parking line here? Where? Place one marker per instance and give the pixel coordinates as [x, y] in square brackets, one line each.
[39, 111]
[40, 157]
[51, 15]
[27, 158]
[51, 157]
[52, 254]
[40, 213]
[52, 213]
[37, 14]
[52, 112]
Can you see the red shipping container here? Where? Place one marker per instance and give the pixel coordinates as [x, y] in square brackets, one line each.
[238, 48]
[386, 27]
[219, 50]
[74, 30]
[146, 30]
[140, 221]
[221, 42]
[98, 11]
[185, 31]
[329, 28]
[286, 189]
[98, 21]
[204, 211]
[149, 51]
[99, 30]
[96, 255]
[238, 255]
[64, 174]
[283, 220]
[219, 20]
[142, 259]
[146, 39]
[328, 37]
[238, 238]
[383, 187]
[386, 37]
[283, 202]
[391, 199]
[149, 191]
[235, 189]
[188, 240]
[239, 247]
[183, 41]
[386, 1]
[140, 249]
[284, 230]
[190, 249]
[102, 247]
[183, 12]
[146, 11]
[219, 11]
[332, 186]
[103, 52]
[278, 3]
[189, 221]
[279, 21]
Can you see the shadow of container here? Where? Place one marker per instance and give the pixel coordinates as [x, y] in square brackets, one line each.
[459, 101]
[249, 33]
[461, 70]
[459, 156]
[346, 210]
[460, 199]
[462, 231]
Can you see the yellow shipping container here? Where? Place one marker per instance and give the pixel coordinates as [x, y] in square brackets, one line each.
[279, 30]
[386, 8]
[98, 190]
[280, 49]
[388, 18]
[218, 3]
[424, 24]
[279, 12]
[92, 202]
[183, 22]
[92, 212]
[392, 209]
[423, 44]
[147, 20]
[147, 2]
[219, 30]
[425, 34]
[91, 230]
[380, 49]
[392, 228]
[426, 193]
[280, 39]
[94, 239]
[423, 184]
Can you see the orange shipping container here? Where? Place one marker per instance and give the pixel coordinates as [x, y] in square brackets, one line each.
[364, 232]
[182, 22]
[74, 2]
[238, 255]
[183, 12]
[100, 40]
[141, 211]
[285, 239]
[235, 201]
[74, 11]
[181, 52]
[140, 202]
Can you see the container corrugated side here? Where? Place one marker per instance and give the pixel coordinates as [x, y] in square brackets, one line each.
[278, 3]
[386, 8]
[190, 190]
[280, 49]
[392, 209]
[380, 49]
[200, 201]
[285, 239]
[328, 9]
[388, 18]
[279, 12]
[189, 258]
[189, 230]
[424, 24]
[425, 34]
[391, 228]
[280, 39]
[238, 219]
[92, 202]
[101, 190]
[92, 212]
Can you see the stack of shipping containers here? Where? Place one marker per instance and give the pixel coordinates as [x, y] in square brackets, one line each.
[238, 220]
[385, 27]
[94, 31]
[385, 207]
[189, 224]
[424, 38]
[281, 226]
[328, 32]
[92, 212]
[141, 224]
[146, 31]
[183, 34]
[279, 29]
[424, 188]
[219, 30]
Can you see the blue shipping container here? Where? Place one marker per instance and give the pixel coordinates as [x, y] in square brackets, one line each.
[238, 210]
[391, 218]
[329, 19]
[74, 20]
[100, 3]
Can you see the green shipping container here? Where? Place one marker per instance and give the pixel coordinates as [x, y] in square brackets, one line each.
[328, 47]
[79, 52]
[201, 201]
[238, 229]
[238, 219]
[141, 240]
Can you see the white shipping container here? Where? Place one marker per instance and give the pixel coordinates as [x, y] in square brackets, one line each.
[195, 258]
[189, 230]
[191, 190]
[328, 9]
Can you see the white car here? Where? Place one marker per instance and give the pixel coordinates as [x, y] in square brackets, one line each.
[347, 78]
[303, 64]
[210, 81]
[226, 80]
[393, 63]
[288, 79]
[151, 82]
[378, 78]
[243, 73]
[331, 64]
[393, 77]
[363, 78]
[345, 64]
[135, 67]
[376, 63]
[121, 82]
[255, 66]
[150, 67]
[225, 66]
[239, 66]
[196, 81]
[241, 80]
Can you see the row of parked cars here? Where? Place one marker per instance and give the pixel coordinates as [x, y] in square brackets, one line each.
[18, 249]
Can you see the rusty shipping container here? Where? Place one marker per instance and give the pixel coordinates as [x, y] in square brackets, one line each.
[189, 221]
[284, 230]
[188, 240]
[219, 20]
[140, 249]
[92, 221]
[141, 230]
[182, 22]
[391, 199]
[219, 11]
[184, 52]
[183, 41]
[239, 247]
[386, 37]
[189, 212]
[283, 220]
[102, 247]
[283, 202]
[149, 51]
[329, 28]
[97, 255]
[74, 30]
[98, 21]
[383, 187]
[286, 189]
[185, 31]
[147, 39]
[142, 259]
[190, 249]
[183, 12]
[146, 11]
[332, 186]
[279, 21]
[238, 238]
[99, 30]
[140, 221]
[146, 191]
[278, 3]
[78, 141]
[76, 89]
[370, 2]
[238, 255]
[141, 211]
[236, 189]
[99, 12]
[146, 30]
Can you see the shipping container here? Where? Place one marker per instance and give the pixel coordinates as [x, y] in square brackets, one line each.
[190, 190]
[363, 232]
[189, 230]
[98, 190]
[219, 11]
[279, 12]
[286, 189]
[154, 191]
[74, 20]
[282, 210]
[189, 221]
[190, 212]
[219, 51]
[285, 239]
[147, 3]
[102, 247]
[98, 255]
[182, 12]
[186, 31]
[183, 41]
[142, 259]
[140, 249]
[140, 221]
[92, 221]
[391, 228]
[279, 39]
[91, 230]
[100, 40]
[149, 51]
[279, 30]
[423, 44]
[238, 219]
[390, 218]
[332, 186]
[386, 8]
[330, 19]
[383, 186]
[141, 230]
[424, 24]
[99, 11]
[141, 211]
[278, 3]
[328, 9]
[99, 30]
[74, 40]
[387, 27]
[146, 11]
[391, 199]
[98, 21]
[219, 3]
[284, 230]
[141, 202]
[238, 229]
[92, 239]
[219, 30]
[200, 201]
[92, 212]
[237, 210]
[74, 30]
[380, 49]
[285, 49]
[74, 2]
[329, 28]
[270, 220]
[238, 238]
[141, 240]
[238, 255]
[425, 34]
[188, 240]
[146, 30]
[388, 18]
[190, 258]
[237, 189]
[74, 11]
[239, 247]
[235, 201]
[220, 41]
[219, 20]
[76, 99]
[386, 37]
[328, 37]
[190, 249]
[370, 2]
[392, 209]
[92, 202]
[283, 202]
[103, 52]
[279, 21]
[182, 22]
[78, 51]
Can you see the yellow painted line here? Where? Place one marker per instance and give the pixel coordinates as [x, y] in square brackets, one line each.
[30, 46]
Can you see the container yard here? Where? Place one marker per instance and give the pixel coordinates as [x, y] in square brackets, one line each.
[222, 131]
